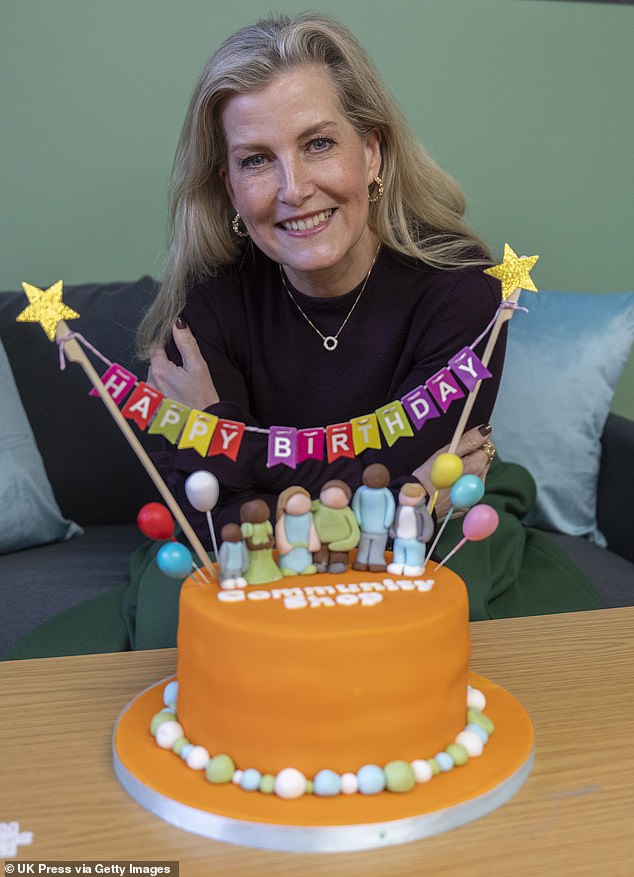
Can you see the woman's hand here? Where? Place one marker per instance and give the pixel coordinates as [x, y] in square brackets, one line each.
[190, 384]
[476, 451]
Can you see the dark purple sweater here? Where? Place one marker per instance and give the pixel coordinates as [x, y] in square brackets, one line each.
[270, 368]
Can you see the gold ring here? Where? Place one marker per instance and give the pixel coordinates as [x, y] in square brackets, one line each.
[489, 449]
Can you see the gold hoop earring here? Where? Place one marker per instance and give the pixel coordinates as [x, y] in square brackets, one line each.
[235, 225]
[378, 194]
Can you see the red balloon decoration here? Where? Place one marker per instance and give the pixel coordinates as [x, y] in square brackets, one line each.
[155, 521]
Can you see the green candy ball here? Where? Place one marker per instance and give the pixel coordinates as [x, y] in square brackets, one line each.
[220, 769]
[458, 753]
[267, 784]
[399, 776]
[158, 719]
[177, 745]
[478, 718]
[435, 767]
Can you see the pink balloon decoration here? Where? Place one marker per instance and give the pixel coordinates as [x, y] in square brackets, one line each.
[479, 522]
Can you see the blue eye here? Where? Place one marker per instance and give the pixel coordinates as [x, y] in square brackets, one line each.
[253, 161]
[319, 144]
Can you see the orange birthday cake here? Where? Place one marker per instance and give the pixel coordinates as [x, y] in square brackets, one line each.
[326, 703]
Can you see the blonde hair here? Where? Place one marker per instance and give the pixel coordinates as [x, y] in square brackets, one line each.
[420, 214]
[284, 497]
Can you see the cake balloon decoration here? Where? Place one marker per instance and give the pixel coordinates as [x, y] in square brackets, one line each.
[155, 521]
[175, 560]
[478, 524]
[202, 490]
[466, 492]
[445, 471]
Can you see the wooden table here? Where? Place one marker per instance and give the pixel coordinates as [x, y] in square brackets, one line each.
[574, 816]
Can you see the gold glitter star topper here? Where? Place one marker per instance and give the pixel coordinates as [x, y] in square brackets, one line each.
[514, 272]
[46, 308]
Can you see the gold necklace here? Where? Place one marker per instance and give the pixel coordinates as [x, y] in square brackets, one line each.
[330, 342]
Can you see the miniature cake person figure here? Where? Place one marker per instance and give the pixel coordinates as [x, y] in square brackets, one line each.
[295, 534]
[257, 531]
[373, 505]
[233, 558]
[336, 525]
[412, 529]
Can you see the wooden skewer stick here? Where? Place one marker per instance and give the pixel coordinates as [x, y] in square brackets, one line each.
[75, 353]
[504, 315]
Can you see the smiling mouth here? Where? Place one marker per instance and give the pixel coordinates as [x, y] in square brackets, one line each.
[309, 222]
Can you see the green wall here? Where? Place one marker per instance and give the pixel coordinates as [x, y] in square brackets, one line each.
[528, 104]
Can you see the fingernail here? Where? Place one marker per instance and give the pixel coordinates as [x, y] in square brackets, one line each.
[485, 429]
[181, 322]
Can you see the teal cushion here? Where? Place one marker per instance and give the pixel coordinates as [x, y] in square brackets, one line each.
[30, 514]
[564, 360]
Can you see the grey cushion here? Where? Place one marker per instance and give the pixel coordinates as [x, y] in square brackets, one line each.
[40, 582]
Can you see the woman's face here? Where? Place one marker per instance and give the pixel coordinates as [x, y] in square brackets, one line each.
[298, 174]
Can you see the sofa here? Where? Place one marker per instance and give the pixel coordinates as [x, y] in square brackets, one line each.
[89, 486]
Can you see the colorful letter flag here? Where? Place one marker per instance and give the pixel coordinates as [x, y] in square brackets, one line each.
[444, 389]
[142, 404]
[419, 406]
[310, 444]
[339, 441]
[198, 431]
[468, 368]
[227, 439]
[169, 420]
[282, 446]
[393, 422]
[365, 433]
[118, 381]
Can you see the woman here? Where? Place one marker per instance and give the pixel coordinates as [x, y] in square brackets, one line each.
[319, 267]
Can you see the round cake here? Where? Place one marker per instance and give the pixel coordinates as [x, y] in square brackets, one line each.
[324, 672]
[322, 713]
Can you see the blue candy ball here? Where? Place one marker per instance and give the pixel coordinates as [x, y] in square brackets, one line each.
[174, 560]
[445, 761]
[250, 779]
[371, 779]
[170, 693]
[327, 783]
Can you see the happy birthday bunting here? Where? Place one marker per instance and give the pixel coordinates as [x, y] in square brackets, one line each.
[419, 406]
[339, 441]
[282, 446]
[444, 389]
[142, 405]
[310, 444]
[468, 367]
[198, 431]
[118, 381]
[365, 433]
[169, 420]
[393, 422]
[227, 439]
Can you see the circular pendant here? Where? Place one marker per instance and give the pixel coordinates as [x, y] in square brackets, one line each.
[330, 342]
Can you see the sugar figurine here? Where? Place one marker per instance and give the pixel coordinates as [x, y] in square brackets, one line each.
[233, 558]
[257, 531]
[412, 529]
[373, 505]
[336, 526]
[295, 533]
